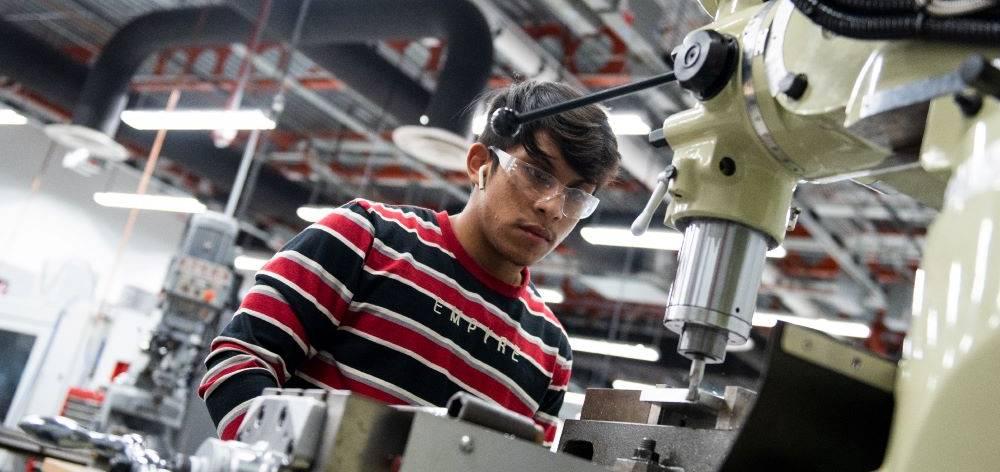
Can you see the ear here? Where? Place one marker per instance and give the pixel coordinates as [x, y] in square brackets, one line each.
[477, 157]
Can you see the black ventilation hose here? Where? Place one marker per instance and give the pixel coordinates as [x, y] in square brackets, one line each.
[897, 6]
[901, 26]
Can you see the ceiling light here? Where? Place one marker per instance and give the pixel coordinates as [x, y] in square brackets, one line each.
[616, 349]
[630, 385]
[248, 263]
[663, 240]
[149, 202]
[198, 119]
[435, 146]
[551, 295]
[851, 329]
[11, 117]
[627, 123]
[313, 214]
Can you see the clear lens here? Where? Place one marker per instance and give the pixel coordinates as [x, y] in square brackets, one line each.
[541, 185]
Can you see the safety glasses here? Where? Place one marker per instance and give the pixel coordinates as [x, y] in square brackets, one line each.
[542, 186]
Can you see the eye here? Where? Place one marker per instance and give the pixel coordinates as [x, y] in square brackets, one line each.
[537, 175]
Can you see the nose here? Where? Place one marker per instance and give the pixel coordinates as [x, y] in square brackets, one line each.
[551, 206]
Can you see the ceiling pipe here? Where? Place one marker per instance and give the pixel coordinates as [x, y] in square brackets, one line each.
[464, 74]
[40, 67]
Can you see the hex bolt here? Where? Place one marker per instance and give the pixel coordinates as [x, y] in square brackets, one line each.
[646, 451]
[465, 444]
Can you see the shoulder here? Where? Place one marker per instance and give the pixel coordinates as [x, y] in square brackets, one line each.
[552, 329]
[385, 217]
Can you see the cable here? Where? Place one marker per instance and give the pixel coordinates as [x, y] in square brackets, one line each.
[917, 25]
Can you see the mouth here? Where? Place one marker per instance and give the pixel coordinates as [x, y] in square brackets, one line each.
[537, 232]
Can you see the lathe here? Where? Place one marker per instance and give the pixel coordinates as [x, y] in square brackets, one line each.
[891, 94]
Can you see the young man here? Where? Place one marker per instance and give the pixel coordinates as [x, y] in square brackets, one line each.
[408, 306]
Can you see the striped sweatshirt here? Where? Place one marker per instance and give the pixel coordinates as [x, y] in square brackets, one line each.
[383, 301]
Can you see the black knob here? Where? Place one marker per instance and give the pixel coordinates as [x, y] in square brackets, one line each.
[657, 138]
[793, 85]
[505, 122]
[704, 63]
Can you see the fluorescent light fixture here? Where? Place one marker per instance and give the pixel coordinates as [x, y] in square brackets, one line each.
[652, 239]
[850, 329]
[621, 384]
[197, 119]
[573, 398]
[11, 117]
[616, 349]
[313, 214]
[551, 295]
[248, 263]
[149, 202]
[627, 123]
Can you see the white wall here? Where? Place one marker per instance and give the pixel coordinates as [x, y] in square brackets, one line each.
[40, 233]
[62, 221]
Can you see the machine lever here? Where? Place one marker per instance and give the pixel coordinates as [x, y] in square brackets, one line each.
[641, 223]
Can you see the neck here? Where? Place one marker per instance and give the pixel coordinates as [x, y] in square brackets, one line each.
[472, 239]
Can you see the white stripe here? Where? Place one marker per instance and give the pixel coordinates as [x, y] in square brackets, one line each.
[381, 384]
[420, 359]
[261, 352]
[415, 232]
[236, 411]
[547, 418]
[273, 322]
[322, 309]
[408, 215]
[221, 380]
[559, 388]
[450, 345]
[355, 217]
[340, 237]
[541, 314]
[317, 270]
[225, 363]
[472, 296]
[468, 319]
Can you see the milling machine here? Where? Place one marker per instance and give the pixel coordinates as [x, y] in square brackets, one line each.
[891, 94]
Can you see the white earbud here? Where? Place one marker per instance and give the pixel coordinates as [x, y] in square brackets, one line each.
[482, 180]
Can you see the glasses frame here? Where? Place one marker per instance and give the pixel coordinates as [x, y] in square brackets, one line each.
[590, 202]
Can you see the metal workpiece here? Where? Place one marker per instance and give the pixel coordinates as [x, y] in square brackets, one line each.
[605, 442]
[442, 444]
[467, 407]
[645, 459]
[714, 295]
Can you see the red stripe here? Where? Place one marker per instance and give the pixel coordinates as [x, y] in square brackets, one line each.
[330, 376]
[561, 375]
[381, 262]
[233, 368]
[310, 283]
[229, 432]
[276, 310]
[358, 235]
[539, 306]
[455, 365]
[408, 221]
[218, 345]
[550, 433]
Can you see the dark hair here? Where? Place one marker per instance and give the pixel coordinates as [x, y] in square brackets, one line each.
[583, 135]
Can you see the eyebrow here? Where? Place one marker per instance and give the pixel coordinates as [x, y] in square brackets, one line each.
[547, 166]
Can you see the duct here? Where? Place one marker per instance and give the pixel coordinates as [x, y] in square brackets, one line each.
[464, 74]
[39, 66]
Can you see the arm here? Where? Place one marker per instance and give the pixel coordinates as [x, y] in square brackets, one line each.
[301, 296]
[547, 415]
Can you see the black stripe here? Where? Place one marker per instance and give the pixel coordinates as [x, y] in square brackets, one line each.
[235, 390]
[394, 367]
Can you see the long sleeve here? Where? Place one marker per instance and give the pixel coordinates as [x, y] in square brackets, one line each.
[547, 415]
[299, 299]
